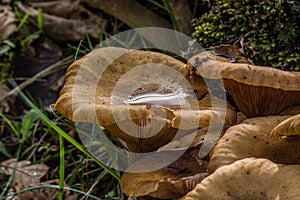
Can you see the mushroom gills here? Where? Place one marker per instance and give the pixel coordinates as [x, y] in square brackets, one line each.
[159, 99]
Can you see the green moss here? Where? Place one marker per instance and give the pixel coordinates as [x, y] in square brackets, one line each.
[271, 29]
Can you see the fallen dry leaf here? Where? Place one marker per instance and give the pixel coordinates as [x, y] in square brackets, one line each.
[24, 174]
[7, 22]
[63, 29]
[45, 193]
[6, 103]
[48, 192]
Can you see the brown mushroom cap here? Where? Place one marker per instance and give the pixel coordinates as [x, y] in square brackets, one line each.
[172, 181]
[257, 91]
[211, 110]
[209, 134]
[250, 179]
[92, 79]
[251, 139]
[291, 111]
[240, 117]
[98, 84]
[288, 127]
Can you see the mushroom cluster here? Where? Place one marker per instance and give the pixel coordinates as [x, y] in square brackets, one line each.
[152, 102]
[258, 157]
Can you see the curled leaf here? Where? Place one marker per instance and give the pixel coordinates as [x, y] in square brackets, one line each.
[7, 22]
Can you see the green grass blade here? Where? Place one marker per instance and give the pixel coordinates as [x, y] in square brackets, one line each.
[27, 124]
[77, 50]
[11, 126]
[8, 183]
[123, 44]
[49, 123]
[4, 190]
[158, 5]
[4, 151]
[46, 186]
[91, 46]
[195, 8]
[23, 21]
[49, 70]
[40, 20]
[61, 167]
[6, 47]
[169, 9]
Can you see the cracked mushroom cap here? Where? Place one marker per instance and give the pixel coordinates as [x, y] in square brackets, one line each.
[249, 179]
[142, 97]
[172, 181]
[256, 90]
[251, 139]
[289, 127]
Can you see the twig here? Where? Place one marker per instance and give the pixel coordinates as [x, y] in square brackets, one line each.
[49, 70]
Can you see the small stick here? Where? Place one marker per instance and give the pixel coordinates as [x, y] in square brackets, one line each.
[49, 70]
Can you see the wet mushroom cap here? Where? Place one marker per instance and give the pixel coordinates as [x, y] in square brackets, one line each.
[289, 127]
[251, 139]
[211, 111]
[256, 90]
[98, 86]
[249, 179]
[91, 80]
[172, 181]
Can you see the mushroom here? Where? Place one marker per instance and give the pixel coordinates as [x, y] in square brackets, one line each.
[172, 181]
[250, 179]
[240, 117]
[210, 134]
[291, 111]
[256, 90]
[144, 98]
[211, 110]
[289, 127]
[251, 139]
